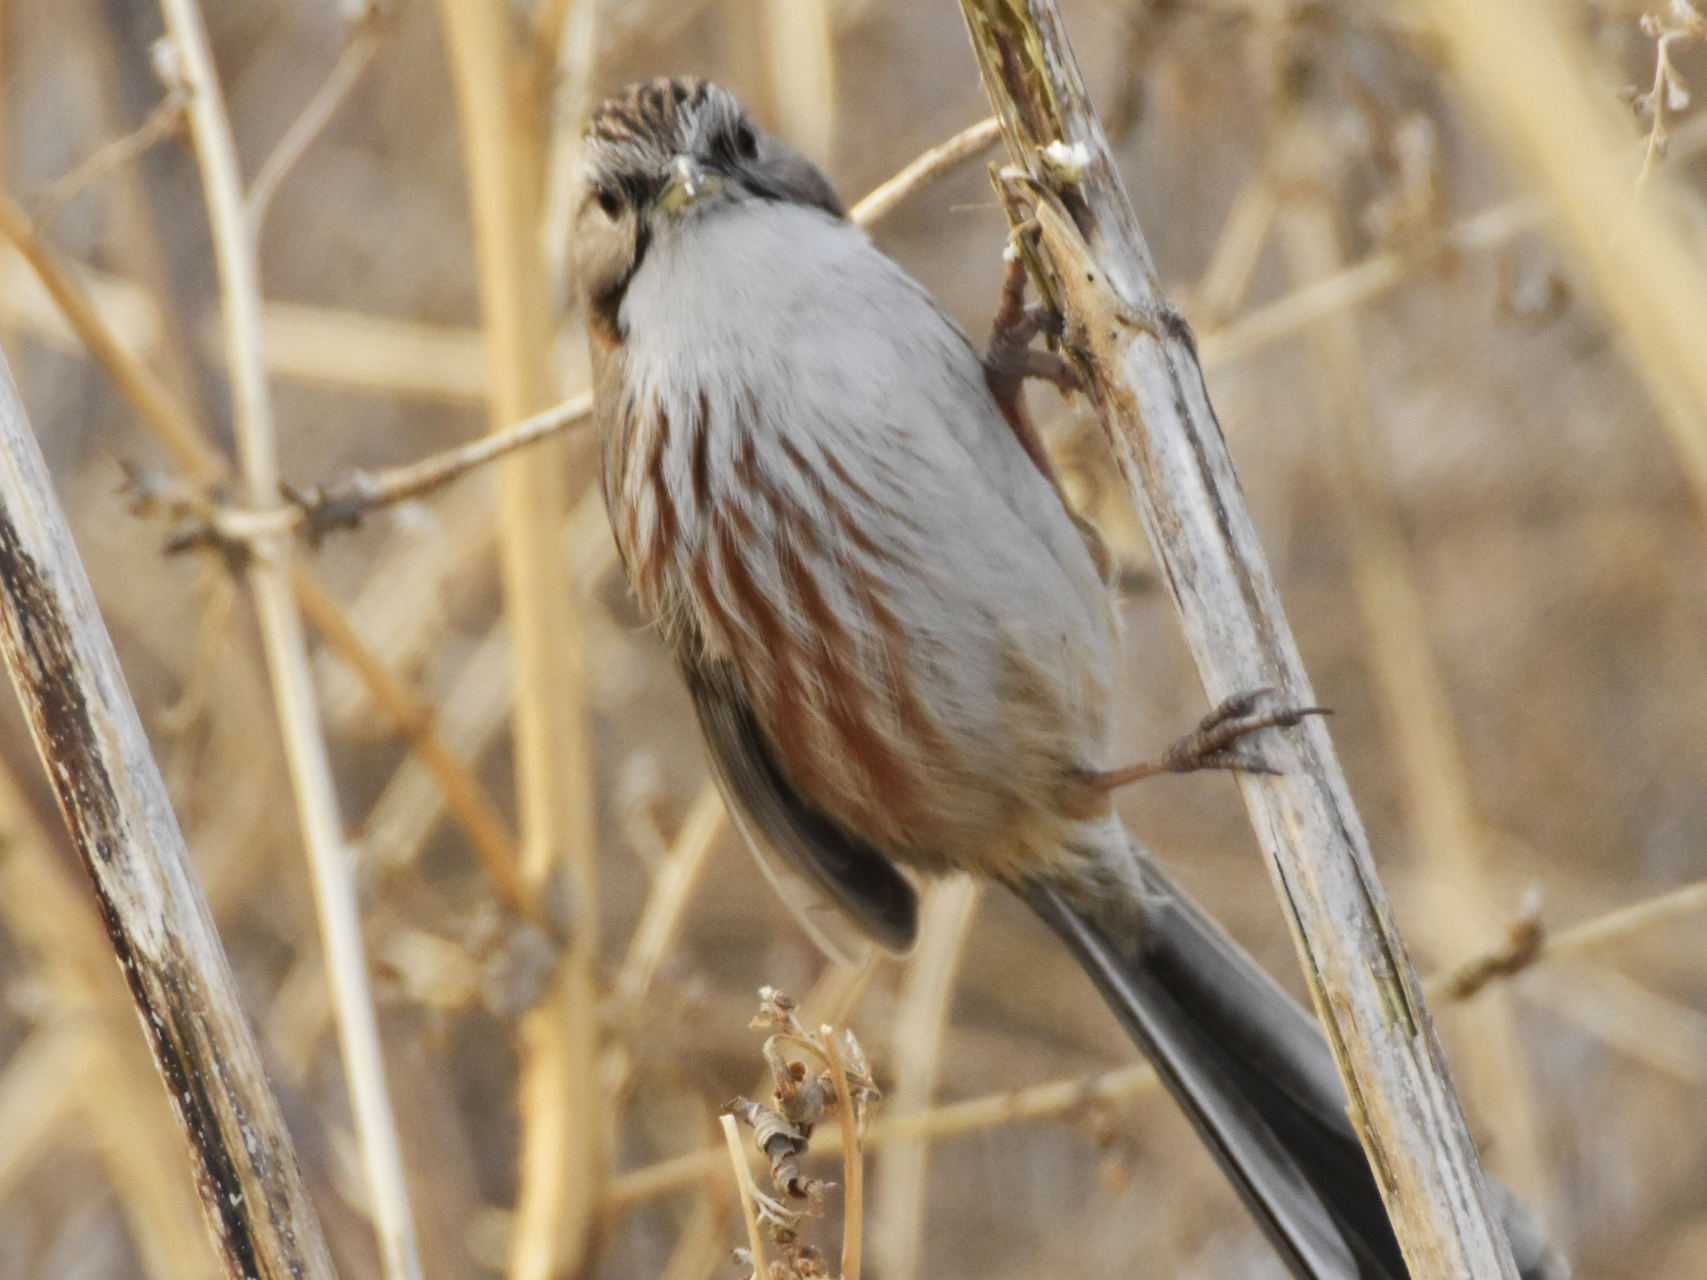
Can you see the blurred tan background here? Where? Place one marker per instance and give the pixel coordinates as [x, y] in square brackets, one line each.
[1466, 417]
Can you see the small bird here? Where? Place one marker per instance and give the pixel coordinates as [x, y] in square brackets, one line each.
[898, 635]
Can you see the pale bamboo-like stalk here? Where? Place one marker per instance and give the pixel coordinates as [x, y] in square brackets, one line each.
[799, 41]
[921, 1023]
[1141, 369]
[561, 1101]
[1439, 801]
[115, 803]
[287, 653]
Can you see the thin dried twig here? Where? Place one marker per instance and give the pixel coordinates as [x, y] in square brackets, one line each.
[1528, 943]
[161, 123]
[361, 44]
[1040, 1102]
[115, 803]
[1082, 243]
[967, 145]
[286, 651]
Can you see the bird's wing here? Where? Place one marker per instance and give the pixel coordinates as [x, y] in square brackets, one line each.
[861, 883]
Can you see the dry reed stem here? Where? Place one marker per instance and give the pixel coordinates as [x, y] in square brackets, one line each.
[1528, 73]
[1439, 800]
[1083, 245]
[744, 1183]
[115, 803]
[573, 50]
[920, 1024]
[853, 1159]
[205, 467]
[1039, 1102]
[287, 654]
[561, 1100]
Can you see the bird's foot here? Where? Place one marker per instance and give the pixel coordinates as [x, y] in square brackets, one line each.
[1010, 360]
[1212, 745]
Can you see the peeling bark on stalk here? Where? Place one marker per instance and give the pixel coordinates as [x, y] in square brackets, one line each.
[1081, 241]
[115, 804]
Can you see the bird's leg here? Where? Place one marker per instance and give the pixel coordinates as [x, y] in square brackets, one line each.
[1211, 744]
[1010, 359]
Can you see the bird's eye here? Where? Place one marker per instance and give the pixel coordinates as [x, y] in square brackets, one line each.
[746, 141]
[609, 201]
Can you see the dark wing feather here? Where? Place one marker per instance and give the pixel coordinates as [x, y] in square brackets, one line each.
[861, 882]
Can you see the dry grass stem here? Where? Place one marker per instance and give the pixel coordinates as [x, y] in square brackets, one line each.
[1353, 286]
[205, 468]
[672, 883]
[1529, 71]
[286, 651]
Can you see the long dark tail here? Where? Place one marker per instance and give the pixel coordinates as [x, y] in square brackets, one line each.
[1248, 1065]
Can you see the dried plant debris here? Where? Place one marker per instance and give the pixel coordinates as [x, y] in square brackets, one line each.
[1680, 26]
[804, 1094]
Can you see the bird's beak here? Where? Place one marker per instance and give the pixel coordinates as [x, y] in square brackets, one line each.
[688, 182]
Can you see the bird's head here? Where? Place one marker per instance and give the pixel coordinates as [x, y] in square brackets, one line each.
[660, 154]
